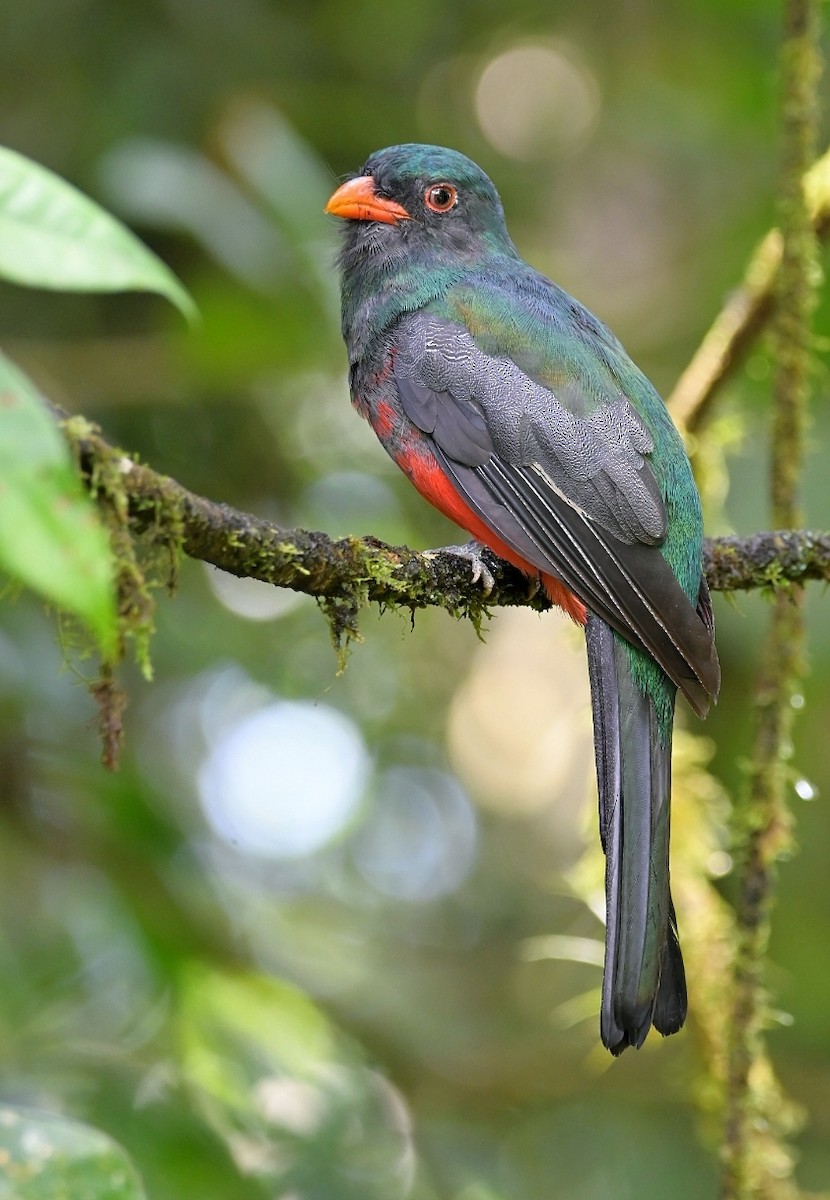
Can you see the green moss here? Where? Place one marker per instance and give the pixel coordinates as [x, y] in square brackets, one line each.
[146, 537]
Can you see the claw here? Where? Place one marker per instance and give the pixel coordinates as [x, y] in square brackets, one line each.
[473, 552]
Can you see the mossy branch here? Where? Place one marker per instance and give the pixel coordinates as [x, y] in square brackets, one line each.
[336, 569]
[757, 1160]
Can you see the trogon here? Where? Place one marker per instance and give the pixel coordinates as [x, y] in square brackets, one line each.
[519, 415]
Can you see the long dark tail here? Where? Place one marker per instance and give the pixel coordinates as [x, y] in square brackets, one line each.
[644, 983]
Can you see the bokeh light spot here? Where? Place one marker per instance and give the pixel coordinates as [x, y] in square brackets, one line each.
[252, 599]
[719, 864]
[805, 790]
[519, 727]
[537, 99]
[285, 780]
[420, 841]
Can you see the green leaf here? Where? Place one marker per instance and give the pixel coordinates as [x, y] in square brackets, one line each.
[52, 236]
[228, 1017]
[288, 1093]
[51, 539]
[47, 1157]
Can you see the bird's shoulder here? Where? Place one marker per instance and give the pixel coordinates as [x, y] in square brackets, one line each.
[511, 310]
[512, 314]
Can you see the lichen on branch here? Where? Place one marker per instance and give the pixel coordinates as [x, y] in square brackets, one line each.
[338, 569]
[758, 1121]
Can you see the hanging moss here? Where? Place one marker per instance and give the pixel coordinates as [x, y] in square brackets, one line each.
[758, 1119]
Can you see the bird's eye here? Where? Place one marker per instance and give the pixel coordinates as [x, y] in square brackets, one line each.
[441, 197]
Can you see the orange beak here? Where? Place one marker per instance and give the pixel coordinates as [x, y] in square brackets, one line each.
[358, 201]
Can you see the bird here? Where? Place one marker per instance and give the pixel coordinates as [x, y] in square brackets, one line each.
[518, 414]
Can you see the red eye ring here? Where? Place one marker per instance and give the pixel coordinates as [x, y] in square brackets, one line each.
[441, 197]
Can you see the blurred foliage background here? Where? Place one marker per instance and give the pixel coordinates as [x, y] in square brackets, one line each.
[326, 936]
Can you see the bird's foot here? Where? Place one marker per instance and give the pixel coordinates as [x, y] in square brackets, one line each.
[473, 552]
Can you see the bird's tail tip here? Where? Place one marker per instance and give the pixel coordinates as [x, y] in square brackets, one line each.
[644, 982]
[623, 1025]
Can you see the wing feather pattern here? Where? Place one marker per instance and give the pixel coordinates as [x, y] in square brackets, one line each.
[622, 578]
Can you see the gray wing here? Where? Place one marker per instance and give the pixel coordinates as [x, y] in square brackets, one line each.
[564, 482]
[591, 448]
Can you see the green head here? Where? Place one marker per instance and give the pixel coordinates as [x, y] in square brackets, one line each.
[427, 201]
